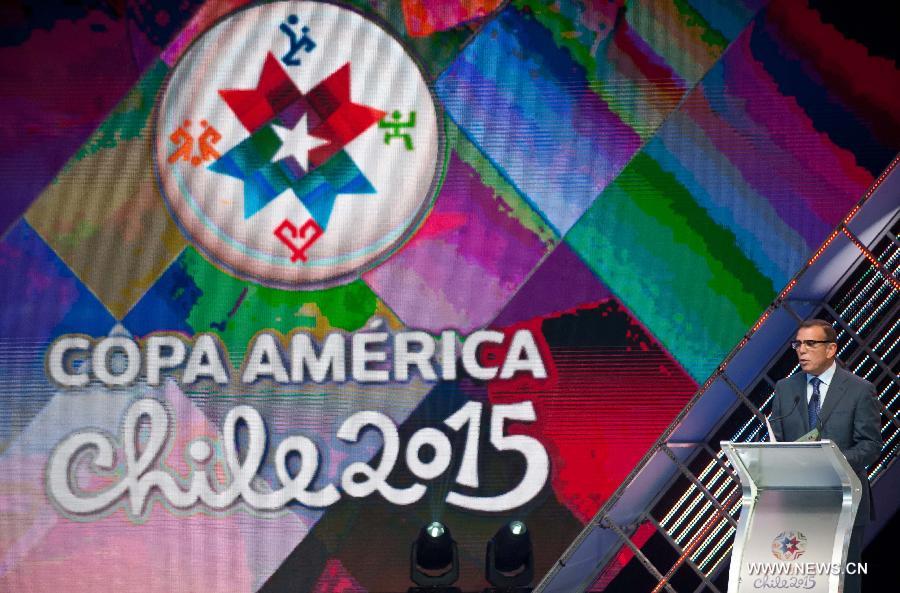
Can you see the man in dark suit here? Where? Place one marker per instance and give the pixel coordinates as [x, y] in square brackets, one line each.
[841, 405]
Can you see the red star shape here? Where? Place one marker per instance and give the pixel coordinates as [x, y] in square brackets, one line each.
[340, 119]
[274, 92]
[333, 116]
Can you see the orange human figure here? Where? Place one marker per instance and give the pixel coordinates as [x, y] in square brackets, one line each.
[209, 137]
[184, 141]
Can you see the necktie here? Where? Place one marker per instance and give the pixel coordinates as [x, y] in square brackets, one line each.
[814, 405]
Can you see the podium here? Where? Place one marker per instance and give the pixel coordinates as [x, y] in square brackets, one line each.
[799, 503]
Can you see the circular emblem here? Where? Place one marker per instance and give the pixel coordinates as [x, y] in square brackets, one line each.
[789, 545]
[297, 144]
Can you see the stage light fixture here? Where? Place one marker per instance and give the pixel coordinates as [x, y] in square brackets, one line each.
[509, 562]
[434, 561]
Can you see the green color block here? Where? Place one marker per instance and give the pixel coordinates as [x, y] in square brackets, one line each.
[683, 275]
[710, 36]
[236, 309]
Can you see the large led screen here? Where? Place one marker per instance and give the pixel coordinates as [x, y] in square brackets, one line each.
[284, 282]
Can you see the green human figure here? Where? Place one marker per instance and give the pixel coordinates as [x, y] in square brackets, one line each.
[394, 128]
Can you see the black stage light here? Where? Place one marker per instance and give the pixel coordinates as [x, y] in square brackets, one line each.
[434, 562]
[509, 563]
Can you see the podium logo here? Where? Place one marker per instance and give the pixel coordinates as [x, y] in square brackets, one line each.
[297, 144]
[789, 545]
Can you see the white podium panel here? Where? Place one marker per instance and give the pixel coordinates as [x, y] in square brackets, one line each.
[799, 503]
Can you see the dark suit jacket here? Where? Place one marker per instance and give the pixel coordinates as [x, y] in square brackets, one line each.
[850, 417]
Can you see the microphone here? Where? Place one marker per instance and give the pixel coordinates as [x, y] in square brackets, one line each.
[783, 416]
[819, 426]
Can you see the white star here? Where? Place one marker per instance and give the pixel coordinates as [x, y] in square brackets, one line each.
[297, 142]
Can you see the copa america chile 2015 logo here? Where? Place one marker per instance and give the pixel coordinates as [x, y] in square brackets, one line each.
[789, 545]
[297, 144]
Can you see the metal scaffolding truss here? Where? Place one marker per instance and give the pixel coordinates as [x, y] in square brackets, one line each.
[670, 526]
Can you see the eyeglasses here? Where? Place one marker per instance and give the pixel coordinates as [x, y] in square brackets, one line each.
[795, 344]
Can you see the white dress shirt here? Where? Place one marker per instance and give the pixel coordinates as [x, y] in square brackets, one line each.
[825, 378]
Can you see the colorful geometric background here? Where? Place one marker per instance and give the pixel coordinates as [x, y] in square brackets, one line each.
[634, 181]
